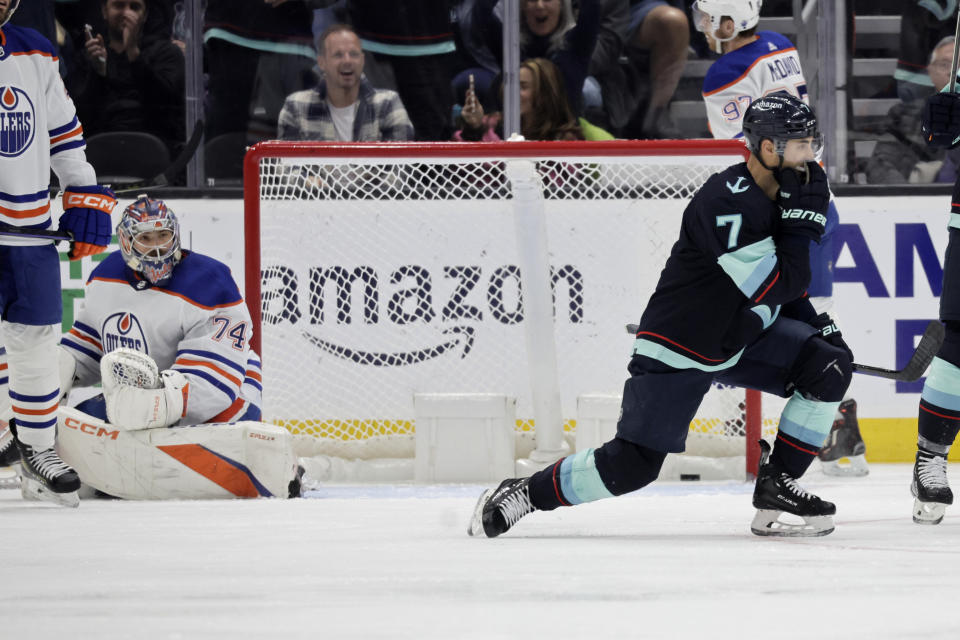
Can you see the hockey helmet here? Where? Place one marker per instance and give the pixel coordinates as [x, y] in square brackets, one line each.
[780, 117]
[10, 9]
[154, 257]
[708, 14]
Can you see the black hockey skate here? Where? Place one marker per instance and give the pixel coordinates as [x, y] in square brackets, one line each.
[499, 509]
[777, 493]
[930, 488]
[844, 441]
[44, 476]
[295, 488]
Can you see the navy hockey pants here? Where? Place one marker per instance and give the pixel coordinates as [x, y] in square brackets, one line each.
[30, 285]
[659, 402]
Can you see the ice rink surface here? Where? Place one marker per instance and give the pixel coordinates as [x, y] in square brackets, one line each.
[672, 561]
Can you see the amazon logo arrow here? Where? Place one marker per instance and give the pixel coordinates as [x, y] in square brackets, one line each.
[458, 335]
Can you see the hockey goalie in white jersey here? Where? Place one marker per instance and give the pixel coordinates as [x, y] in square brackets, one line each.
[167, 333]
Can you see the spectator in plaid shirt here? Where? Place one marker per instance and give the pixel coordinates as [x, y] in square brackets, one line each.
[344, 106]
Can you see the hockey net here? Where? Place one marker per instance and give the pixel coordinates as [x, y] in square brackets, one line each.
[386, 270]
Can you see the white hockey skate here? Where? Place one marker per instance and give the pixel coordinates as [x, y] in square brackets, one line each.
[44, 476]
[930, 488]
[777, 495]
[845, 443]
[9, 457]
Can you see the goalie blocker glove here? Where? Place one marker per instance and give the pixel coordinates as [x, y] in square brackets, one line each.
[803, 198]
[86, 215]
[940, 120]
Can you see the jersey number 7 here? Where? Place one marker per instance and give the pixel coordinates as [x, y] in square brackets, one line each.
[734, 220]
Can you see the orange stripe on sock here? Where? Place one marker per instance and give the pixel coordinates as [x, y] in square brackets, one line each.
[213, 468]
[36, 412]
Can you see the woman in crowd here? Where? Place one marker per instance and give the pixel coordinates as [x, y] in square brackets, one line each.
[545, 113]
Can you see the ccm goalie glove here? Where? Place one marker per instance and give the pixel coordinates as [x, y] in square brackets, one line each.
[940, 120]
[804, 198]
[830, 332]
[136, 396]
[86, 215]
[136, 408]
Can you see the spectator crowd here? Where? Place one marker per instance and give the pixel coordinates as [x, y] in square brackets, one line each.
[431, 70]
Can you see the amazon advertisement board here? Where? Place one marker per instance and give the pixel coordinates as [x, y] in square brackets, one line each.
[368, 308]
[888, 275]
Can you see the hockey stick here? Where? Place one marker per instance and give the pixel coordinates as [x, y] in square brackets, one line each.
[929, 344]
[160, 180]
[956, 53]
[39, 234]
[170, 172]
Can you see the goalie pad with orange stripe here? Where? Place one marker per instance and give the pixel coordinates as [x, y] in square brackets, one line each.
[208, 461]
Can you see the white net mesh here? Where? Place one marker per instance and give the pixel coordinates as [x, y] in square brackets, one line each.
[382, 278]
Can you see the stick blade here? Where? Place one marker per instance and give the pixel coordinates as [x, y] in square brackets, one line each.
[927, 349]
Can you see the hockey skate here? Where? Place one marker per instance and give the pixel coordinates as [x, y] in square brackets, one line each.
[844, 441]
[499, 509]
[777, 493]
[44, 476]
[9, 456]
[930, 488]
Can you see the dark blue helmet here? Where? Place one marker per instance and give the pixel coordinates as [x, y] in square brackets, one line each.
[778, 118]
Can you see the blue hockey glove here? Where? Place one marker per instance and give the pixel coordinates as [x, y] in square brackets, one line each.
[940, 120]
[804, 198]
[830, 332]
[86, 215]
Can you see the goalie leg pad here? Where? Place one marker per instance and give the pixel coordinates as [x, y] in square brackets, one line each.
[242, 460]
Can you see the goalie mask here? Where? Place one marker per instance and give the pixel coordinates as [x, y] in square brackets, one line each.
[10, 9]
[709, 14]
[149, 237]
[780, 117]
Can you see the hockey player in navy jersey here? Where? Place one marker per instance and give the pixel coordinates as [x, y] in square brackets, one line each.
[176, 319]
[939, 410]
[39, 131]
[754, 64]
[730, 306]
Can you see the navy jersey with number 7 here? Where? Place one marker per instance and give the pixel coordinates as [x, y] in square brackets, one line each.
[726, 277]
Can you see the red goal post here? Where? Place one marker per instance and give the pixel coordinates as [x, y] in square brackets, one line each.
[361, 256]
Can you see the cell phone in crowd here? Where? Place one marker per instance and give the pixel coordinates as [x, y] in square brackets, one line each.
[88, 30]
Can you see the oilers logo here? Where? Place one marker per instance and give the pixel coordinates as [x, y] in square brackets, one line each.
[123, 330]
[17, 121]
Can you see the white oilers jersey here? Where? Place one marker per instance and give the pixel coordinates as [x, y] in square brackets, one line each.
[769, 64]
[38, 130]
[198, 325]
